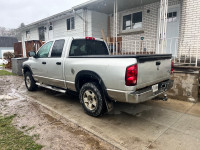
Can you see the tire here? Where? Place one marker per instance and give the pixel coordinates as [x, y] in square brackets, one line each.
[92, 99]
[30, 82]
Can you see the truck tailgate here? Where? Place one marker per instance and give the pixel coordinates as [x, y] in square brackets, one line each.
[152, 70]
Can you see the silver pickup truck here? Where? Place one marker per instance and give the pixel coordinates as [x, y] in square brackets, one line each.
[84, 65]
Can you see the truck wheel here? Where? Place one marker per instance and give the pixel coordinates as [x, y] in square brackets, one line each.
[92, 99]
[30, 82]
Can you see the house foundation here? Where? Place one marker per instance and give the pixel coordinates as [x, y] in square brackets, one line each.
[186, 84]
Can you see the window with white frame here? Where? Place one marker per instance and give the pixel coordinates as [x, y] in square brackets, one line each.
[70, 23]
[132, 21]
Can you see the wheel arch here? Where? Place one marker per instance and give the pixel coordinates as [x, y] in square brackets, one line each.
[89, 76]
[26, 68]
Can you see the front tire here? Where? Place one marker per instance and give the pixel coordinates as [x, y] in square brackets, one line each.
[92, 99]
[30, 82]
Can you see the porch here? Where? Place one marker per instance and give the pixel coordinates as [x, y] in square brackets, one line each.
[146, 27]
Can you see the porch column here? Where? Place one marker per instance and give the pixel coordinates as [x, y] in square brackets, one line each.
[24, 47]
[162, 26]
[115, 18]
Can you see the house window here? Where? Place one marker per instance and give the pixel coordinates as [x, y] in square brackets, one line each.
[41, 33]
[50, 26]
[172, 17]
[70, 23]
[28, 34]
[132, 21]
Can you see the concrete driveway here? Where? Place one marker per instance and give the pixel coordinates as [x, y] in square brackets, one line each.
[151, 125]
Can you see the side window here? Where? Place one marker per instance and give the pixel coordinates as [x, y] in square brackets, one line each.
[57, 48]
[44, 50]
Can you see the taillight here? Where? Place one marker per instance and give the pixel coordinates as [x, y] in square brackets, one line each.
[89, 38]
[172, 67]
[131, 75]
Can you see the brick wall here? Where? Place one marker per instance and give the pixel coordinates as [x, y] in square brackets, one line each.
[150, 23]
[190, 27]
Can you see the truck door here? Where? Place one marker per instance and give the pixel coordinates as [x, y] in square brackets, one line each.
[55, 64]
[38, 65]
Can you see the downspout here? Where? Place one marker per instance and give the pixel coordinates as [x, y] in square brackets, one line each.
[84, 18]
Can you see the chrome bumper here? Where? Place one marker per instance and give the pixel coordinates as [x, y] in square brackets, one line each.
[141, 95]
[148, 94]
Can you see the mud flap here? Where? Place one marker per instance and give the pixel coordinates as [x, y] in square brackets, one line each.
[109, 105]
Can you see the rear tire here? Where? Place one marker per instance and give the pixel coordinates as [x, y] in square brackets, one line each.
[92, 99]
[30, 82]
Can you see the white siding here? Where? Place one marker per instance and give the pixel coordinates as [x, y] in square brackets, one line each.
[99, 22]
[60, 28]
[34, 35]
[89, 23]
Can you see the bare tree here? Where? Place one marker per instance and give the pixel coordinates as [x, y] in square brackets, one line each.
[7, 32]
[12, 32]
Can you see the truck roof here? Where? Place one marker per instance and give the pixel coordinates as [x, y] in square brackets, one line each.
[66, 38]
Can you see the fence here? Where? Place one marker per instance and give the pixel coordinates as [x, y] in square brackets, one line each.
[30, 46]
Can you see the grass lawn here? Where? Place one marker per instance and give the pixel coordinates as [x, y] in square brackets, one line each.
[5, 73]
[13, 139]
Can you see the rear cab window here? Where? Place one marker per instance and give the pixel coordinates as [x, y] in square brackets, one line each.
[57, 49]
[83, 47]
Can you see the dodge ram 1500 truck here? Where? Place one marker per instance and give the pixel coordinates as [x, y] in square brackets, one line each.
[84, 65]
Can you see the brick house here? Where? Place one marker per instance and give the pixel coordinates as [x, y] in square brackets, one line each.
[137, 26]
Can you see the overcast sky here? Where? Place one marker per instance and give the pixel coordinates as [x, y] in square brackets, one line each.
[14, 12]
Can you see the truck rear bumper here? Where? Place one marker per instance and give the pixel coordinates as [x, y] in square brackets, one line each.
[143, 94]
[148, 94]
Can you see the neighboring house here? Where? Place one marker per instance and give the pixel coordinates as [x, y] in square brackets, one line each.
[137, 23]
[7, 45]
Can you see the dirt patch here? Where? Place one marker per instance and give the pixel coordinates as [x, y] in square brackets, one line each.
[53, 132]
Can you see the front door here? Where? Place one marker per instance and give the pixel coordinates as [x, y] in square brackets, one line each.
[41, 31]
[172, 35]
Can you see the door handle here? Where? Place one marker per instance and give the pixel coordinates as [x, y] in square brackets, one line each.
[44, 63]
[58, 63]
[158, 63]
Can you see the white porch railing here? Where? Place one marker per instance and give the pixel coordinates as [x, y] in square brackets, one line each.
[132, 47]
[184, 51]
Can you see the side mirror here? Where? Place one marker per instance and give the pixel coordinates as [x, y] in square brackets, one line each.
[32, 54]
